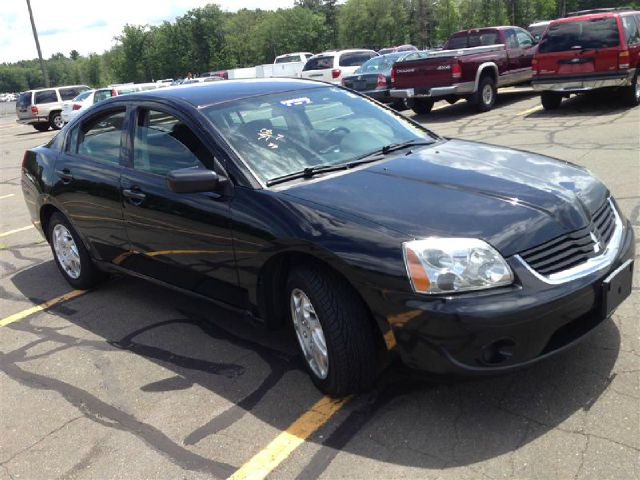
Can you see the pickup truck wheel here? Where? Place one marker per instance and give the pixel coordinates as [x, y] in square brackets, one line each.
[71, 256]
[421, 106]
[399, 105]
[55, 120]
[41, 127]
[333, 330]
[485, 97]
[550, 100]
[631, 94]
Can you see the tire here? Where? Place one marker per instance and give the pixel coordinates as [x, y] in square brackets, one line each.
[41, 127]
[71, 256]
[55, 120]
[485, 97]
[399, 105]
[631, 94]
[421, 106]
[351, 356]
[550, 100]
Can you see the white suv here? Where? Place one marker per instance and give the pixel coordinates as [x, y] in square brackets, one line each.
[43, 108]
[333, 65]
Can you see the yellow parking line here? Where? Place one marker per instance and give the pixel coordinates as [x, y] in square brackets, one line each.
[284, 444]
[11, 232]
[43, 306]
[530, 110]
[7, 196]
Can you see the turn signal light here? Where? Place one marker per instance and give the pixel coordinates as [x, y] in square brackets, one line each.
[335, 73]
[34, 109]
[382, 81]
[76, 106]
[393, 75]
[456, 70]
[417, 273]
[623, 60]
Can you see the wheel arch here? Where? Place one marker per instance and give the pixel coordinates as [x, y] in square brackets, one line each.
[272, 280]
[487, 68]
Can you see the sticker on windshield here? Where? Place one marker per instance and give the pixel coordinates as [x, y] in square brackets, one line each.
[268, 136]
[294, 102]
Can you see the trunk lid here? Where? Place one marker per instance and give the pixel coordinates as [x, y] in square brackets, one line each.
[363, 82]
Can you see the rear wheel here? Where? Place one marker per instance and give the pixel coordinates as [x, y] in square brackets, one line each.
[71, 256]
[631, 94]
[485, 97]
[550, 100]
[41, 127]
[55, 120]
[421, 106]
[333, 330]
[399, 105]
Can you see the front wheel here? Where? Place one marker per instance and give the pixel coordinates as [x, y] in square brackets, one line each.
[631, 94]
[333, 330]
[71, 256]
[550, 100]
[421, 106]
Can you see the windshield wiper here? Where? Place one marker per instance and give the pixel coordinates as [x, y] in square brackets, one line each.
[368, 158]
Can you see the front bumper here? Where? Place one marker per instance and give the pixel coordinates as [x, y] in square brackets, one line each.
[464, 88]
[582, 83]
[503, 330]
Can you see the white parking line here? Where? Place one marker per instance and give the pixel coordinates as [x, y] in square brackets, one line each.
[11, 232]
[7, 196]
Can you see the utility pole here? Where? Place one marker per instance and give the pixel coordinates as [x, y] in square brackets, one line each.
[43, 67]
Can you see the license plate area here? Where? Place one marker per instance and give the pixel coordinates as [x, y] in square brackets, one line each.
[616, 287]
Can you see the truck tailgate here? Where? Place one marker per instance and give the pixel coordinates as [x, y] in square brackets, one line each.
[425, 72]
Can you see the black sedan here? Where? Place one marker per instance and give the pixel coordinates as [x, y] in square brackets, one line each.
[307, 204]
[373, 78]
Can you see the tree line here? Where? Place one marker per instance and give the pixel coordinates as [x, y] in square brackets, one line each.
[209, 38]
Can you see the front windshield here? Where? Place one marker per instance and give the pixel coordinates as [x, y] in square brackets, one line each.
[284, 133]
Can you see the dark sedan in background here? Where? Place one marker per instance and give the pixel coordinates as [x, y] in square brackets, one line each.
[373, 78]
[309, 205]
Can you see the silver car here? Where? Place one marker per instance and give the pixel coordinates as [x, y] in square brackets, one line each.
[43, 108]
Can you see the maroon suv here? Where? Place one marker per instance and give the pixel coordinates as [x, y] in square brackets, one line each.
[588, 52]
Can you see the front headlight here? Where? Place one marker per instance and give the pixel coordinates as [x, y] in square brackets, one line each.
[446, 265]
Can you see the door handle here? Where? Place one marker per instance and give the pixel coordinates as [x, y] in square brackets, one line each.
[134, 195]
[65, 175]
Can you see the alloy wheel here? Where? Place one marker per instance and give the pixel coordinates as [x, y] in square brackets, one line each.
[487, 94]
[66, 251]
[309, 333]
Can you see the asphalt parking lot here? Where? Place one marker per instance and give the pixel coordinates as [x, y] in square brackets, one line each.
[134, 381]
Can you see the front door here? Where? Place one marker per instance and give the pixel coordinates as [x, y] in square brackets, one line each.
[182, 239]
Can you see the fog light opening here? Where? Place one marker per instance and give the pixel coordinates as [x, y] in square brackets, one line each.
[499, 351]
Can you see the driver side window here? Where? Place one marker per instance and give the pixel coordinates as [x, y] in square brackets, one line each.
[163, 143]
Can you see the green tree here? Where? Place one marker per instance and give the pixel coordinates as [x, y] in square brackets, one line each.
[74, 54]
[372, 23]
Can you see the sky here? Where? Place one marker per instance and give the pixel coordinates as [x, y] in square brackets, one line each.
[90, 25]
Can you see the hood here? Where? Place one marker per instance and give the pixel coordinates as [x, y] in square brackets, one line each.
[512, 199]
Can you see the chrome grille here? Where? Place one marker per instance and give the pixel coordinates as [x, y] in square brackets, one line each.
[569, 250]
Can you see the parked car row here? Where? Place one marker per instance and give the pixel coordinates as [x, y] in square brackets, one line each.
[8, 97]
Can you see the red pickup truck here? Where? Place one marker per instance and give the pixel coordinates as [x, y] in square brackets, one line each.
[471, 65]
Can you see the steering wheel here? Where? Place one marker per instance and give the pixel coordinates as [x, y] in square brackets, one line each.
[333, 138]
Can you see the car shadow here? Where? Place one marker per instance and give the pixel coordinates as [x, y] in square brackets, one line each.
[591, 104]
[462, 108]
[406, 420]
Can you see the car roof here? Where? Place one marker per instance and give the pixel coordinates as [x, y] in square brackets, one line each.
[211, 93]
[590, 16]
[340, 52]
[53, 88]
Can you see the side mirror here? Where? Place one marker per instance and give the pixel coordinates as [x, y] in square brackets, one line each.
[192, 180]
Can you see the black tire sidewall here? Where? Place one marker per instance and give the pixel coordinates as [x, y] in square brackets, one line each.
[550, 100]
[89, 274]
[479, 100]
[421, 106]
[52, 124]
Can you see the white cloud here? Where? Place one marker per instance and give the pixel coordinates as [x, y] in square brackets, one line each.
[90, 25]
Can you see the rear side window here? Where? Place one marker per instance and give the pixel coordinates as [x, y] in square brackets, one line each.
[24, 100]
[319, 63]
[631, 30]
[46, 96]
[70, 92]
[101, 95]
[580, 34]
[164, 143]
[99, 137]
[483, 39]
[355, 59]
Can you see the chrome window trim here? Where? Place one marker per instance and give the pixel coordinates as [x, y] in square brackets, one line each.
[591, 265]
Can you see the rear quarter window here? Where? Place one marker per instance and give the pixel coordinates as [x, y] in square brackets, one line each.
[355, 59]
[599, 32]
[46, 96]
[631, 29]
[319, 63]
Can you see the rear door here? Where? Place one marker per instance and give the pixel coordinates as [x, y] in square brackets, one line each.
[88, 183]
[23, 105]
[319, 68]
[585, 46]
[183, 239]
